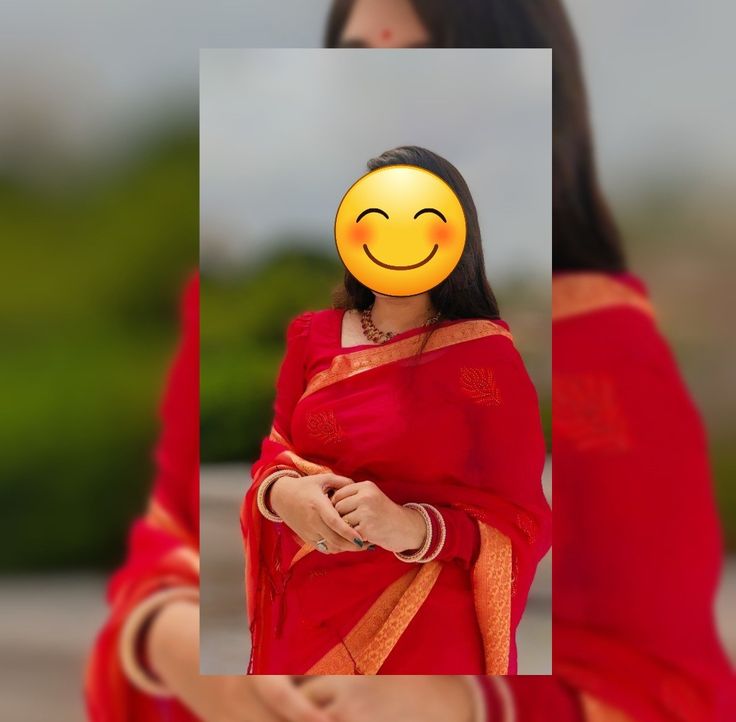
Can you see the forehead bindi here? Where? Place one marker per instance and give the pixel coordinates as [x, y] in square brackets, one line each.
[386, 33]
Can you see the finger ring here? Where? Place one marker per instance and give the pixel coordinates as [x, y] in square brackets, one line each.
[321, 546]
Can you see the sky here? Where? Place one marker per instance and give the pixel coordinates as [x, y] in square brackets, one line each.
[284, 133]
[93, 77]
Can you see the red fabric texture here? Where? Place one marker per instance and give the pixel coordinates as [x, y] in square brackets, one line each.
[412, 427]
[153, 562]
[534, 699]
[637, 545]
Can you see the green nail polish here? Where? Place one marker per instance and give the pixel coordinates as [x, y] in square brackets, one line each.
[358, 543]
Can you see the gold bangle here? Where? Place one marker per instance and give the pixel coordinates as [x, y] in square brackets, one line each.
[417, 555]
[443, 534]
[264, 488]
[133, 669]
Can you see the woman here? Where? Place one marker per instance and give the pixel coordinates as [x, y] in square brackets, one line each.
[406, 446]
[634, 631]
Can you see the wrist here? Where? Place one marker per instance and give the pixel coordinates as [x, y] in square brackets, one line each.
[416, 529]
[269, 503]
[274, 496]
[172, 643]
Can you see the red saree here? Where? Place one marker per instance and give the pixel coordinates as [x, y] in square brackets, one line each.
[163, 557]
[456, 426]
[637, 543]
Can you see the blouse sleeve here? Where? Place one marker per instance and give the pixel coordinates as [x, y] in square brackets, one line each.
[291, 380]
[290, 385]
[461, 538]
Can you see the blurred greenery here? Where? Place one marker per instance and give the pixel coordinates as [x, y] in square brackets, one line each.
[243, 320]
[89, 309]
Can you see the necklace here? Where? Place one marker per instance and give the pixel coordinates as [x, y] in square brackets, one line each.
[375, 336]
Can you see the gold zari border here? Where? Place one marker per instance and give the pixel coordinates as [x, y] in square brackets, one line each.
[492, 588]
[347, 365]
[580, 293]
[370, 642]
[160, 518]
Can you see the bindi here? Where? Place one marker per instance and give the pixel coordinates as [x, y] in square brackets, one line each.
[386, 34]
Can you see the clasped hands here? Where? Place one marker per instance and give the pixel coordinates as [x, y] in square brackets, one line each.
[343, 515]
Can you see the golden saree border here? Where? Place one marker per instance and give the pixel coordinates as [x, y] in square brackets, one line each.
[278, 438]
[351, 364]
[302, 465]
[576, 294]
[372, 639]
[595, 710]
[160, 518]
[492, 574]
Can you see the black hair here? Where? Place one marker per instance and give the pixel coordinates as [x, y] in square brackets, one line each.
[584, 234]
[465, 293]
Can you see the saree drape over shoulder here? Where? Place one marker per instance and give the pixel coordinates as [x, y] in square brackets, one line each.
[637, 541]
[447, 417]
[163, 554]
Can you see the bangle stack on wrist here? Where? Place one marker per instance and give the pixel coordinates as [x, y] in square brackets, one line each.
[440, 534]
[429, 550]
[265, 487]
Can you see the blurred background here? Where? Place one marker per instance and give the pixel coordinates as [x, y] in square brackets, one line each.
[98, 218]
[269, 191]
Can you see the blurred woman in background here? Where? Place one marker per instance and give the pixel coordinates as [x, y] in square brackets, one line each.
[145, 663]
[643, 648]
[634, 627]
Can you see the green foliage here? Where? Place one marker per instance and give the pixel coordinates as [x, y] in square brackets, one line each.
[89, 313]
[242, 342]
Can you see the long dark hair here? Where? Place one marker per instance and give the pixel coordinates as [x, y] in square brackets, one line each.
[465, 293]
[584, 235]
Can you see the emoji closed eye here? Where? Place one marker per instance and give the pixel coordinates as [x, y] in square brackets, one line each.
[380, 211]
[430, 210]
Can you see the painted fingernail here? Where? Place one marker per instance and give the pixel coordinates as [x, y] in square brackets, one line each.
[358, 542]
[372, 547]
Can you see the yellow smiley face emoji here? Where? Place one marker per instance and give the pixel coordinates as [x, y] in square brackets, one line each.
[400, 230]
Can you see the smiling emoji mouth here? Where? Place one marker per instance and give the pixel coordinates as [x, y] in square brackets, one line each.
[399, 268]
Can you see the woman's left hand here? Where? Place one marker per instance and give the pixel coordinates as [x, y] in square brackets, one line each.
[378, 519]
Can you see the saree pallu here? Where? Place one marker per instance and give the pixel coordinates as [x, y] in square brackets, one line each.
[447, 417]
[637, 543]
[162, 563]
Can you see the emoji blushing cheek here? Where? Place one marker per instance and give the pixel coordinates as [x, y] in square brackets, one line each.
[359, 234]
[441, 233]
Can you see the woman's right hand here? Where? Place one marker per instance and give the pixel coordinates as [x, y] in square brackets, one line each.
[305, 507]
[172, 645]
